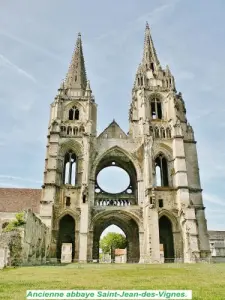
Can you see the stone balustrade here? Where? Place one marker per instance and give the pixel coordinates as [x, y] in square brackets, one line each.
[114, 202]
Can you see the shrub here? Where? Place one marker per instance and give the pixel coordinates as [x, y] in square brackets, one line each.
[14, 224]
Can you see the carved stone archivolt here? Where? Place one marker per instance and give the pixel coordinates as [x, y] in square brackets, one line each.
[162, 148]
[69, 144]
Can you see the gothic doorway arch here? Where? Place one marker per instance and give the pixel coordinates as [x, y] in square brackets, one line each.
[166, 238]
[66, 234]
[127, 224]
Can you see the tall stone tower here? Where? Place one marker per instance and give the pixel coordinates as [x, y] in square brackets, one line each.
[162, 205]
[72, 126]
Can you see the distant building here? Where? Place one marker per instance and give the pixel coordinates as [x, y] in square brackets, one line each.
[14, 200]
[120, 256]
[217, 245]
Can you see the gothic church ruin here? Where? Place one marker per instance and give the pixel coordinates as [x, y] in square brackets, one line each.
[162, 205]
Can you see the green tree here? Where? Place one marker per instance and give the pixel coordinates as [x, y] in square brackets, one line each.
[14, 224]
[113, 240]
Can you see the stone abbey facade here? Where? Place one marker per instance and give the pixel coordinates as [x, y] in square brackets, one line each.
[163, 202]
[161, 207]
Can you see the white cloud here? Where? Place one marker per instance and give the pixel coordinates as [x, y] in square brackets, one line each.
[154, 16]
[157, 14]
[202, 113]
[213, 199]
[11, 177]
[26, 106]
[31, 45]
[185, 75]
[6, 62]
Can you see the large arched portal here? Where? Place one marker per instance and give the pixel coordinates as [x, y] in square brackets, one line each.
[66, 234]
[166, 238]
[127, 224]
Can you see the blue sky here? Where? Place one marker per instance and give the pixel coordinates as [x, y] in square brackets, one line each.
[36, 43]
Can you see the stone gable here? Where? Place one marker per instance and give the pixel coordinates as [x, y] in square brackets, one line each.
[113, 131]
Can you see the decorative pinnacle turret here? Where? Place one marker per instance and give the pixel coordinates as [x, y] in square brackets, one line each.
[88, 87]
[76, 76]
[88, 91]
[62, 85]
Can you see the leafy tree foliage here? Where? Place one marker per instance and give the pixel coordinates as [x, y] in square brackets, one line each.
[13, 225]
[113, 240]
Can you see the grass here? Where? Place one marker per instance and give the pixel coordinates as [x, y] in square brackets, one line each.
[207, 281]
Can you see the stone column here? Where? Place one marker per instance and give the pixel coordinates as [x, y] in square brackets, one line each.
[53, 245]
[90, 246]
[141, 194]
[178, 246]
[154, 243]
[203, 233]
[186, 242]
[83, 233]
[77, 235]
[141, 246]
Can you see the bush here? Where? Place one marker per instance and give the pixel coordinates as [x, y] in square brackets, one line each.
[13, 225]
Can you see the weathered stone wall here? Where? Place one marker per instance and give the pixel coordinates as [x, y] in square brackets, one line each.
[11, 248]
[36, 239]
[26, 244]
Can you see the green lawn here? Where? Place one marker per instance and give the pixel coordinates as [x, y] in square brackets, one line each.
[207, 281]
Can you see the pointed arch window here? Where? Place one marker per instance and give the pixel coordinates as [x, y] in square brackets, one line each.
[162, 133]
[70, 168]
[69, 130]
[168, 133]
[82, 129]
[74, 113]
[75, 130]
[68, 202]
[152, 67]
[156, 132]
[63, 129]
[156, 108]
[161, 170]
[151, 130]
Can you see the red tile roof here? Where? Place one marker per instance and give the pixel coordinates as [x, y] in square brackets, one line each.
[120, 251]
[16, 200]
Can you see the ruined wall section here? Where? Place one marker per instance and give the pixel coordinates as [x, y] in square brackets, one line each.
[35, 240]
[28, 244]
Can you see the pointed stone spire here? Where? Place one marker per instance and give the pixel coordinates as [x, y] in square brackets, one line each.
[149, 53]
[76, 76]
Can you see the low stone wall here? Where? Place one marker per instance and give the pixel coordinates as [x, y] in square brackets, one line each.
[28, 244]
[218, 259]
